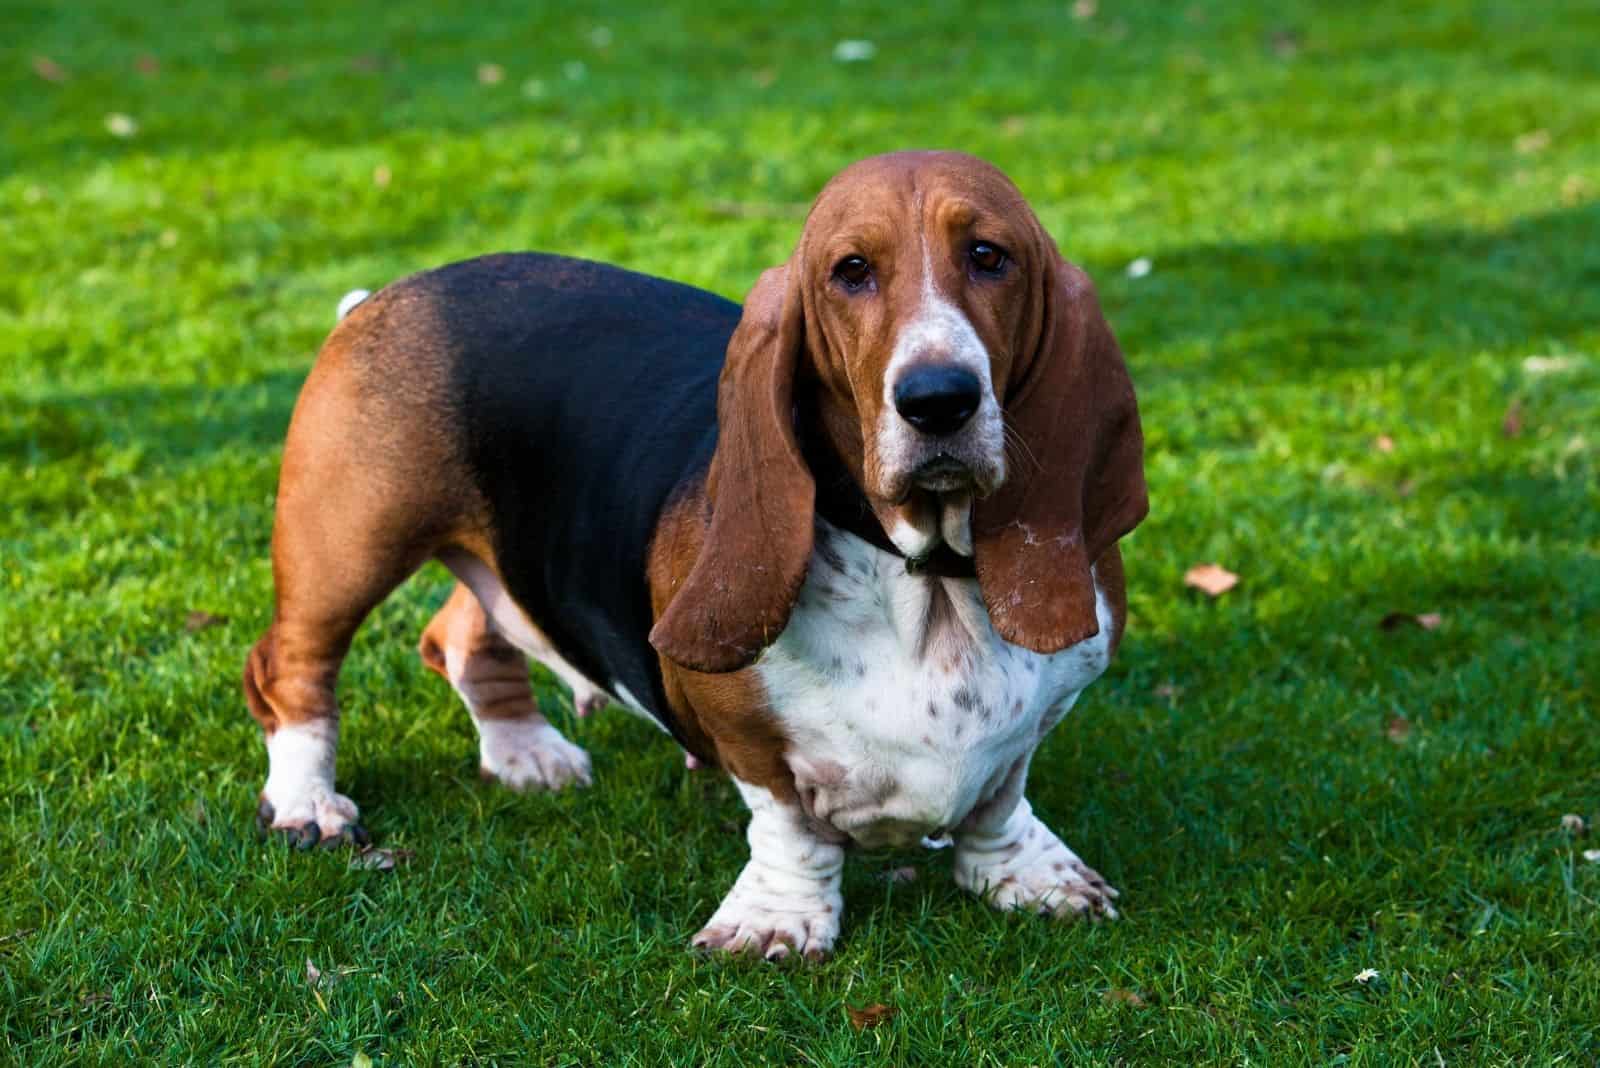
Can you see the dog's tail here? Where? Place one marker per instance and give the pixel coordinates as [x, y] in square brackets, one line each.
[348, 302]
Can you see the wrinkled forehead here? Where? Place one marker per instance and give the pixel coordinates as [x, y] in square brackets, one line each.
[887, 198]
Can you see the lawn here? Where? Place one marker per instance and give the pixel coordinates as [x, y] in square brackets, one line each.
[1368, 357]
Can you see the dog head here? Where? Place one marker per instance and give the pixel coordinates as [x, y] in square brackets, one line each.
[962, 373]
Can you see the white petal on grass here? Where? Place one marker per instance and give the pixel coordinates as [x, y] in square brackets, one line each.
[1366, 975]
[1592, 856]
[1140, 267]
[1573, 823]
[854, 51]
[120, 125]
[1549, 365]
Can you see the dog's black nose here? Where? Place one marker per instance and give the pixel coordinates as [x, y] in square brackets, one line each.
[937, 399]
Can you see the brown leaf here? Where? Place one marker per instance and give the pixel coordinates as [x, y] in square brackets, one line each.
[198, 620]
[871, 1016]
[1511, 426]
[1533, 141]
[1285, 43]
[147, 65]
[1214, 580]
[1383, 443]
[491, 74]
[1425, 620]
[1085, 9]
[382, 176]
[1116, 996]
[50, 70]
[1398, 729]
[365, 63]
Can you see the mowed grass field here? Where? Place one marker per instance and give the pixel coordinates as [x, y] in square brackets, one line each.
[1368, 355]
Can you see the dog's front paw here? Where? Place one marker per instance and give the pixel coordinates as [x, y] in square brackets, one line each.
[1036, 872]
[314, 817]
[531, 756]
[774, 915]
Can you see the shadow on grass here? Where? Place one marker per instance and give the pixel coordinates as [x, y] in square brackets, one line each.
[1288, 311]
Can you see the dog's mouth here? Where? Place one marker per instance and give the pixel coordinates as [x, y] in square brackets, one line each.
[944, 474]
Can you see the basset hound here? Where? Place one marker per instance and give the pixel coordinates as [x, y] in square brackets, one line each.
[855, 543]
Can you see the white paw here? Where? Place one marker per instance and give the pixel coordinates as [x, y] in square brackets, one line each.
[761, 915]
[530, 756]
[312, 817]
[1036, 873]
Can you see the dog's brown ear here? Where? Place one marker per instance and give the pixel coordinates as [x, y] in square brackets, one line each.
[1077, 481]
[757, 541]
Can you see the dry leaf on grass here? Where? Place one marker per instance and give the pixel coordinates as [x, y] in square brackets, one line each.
[1398, 729]
[1084, 9]
[147, 65]
[382, 176]
[491, 74]
[1533, 141]
[871, 1016]
[1116, 996]
[1383, 443]
[1425, 620]
[198, 620]
[1574, 824]
[49, 69]
[1511, 425]
[1214, 580]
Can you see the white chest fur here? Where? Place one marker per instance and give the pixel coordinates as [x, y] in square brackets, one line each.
[903, 707]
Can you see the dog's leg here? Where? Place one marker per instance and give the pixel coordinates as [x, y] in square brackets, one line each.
[587, 698]
[787, 898]
[290, 674]
[517, 745]
[1006, 856]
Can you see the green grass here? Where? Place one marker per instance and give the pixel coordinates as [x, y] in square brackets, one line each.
[1363, 221]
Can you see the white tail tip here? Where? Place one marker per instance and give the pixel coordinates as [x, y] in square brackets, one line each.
[348, 302]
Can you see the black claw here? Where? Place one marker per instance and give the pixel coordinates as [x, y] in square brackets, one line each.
[309, 835]
[359, 835]
[265, 814]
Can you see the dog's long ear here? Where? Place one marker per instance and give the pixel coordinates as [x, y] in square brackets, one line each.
[757, 542]
[1077, 482]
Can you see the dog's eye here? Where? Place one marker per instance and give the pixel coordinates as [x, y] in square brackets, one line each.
[987, 258]
[853, 272]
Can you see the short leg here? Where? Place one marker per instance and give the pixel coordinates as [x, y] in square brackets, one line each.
[517, 745]
[787, 899]
[290, 676]
[1006, 856]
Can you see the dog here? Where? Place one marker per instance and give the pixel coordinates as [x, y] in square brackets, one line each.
[855, 543]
